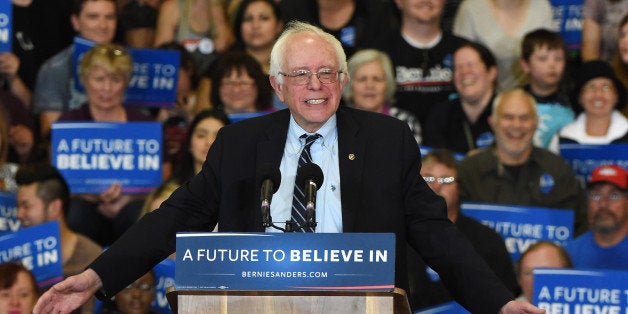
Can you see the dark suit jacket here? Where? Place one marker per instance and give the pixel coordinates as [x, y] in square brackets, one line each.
[381, 191]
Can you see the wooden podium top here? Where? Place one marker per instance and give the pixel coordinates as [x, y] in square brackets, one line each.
[263, 301]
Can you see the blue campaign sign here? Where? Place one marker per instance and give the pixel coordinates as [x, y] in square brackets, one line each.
[154, 79]
[285, 261]
[584, 158]
[38, 248]
[93, 155]
[6, 25]
[522, 226]
[445, 308]
[8, 213]
[568, 22]
[581, 291]
[164, 274]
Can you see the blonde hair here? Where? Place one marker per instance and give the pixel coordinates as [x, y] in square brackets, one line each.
[162, 191]
[112, 58]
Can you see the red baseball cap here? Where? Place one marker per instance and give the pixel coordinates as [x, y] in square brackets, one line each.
[612, 174]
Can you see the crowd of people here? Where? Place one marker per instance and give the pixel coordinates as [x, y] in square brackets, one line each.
[486, 88]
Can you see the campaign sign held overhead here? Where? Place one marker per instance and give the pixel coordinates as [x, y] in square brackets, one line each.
[581, 291]
[8, 213]
[6, 26]
[584, 158]
[285, 261]
[522, 226]
[153, 82]
[93, 155]
[38, 248]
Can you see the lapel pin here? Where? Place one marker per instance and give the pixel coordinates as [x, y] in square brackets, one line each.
[351, 157]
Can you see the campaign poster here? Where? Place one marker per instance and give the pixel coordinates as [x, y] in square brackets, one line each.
[38, 248]
[154, 79]
[8, 213]
[93, 155]
[584, 158]
[567, 20]
[164, 274]
[522, 226]
[581, 291]
[6, 26]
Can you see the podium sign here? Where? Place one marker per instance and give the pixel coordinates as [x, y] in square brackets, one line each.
[581, 290]
[285, 261]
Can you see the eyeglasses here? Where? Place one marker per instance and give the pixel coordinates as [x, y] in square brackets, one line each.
[237, 83]
[141, 286]
[440, 180]
[611, 197]
[302, 77]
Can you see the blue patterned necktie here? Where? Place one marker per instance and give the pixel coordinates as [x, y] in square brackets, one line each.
[298, 198]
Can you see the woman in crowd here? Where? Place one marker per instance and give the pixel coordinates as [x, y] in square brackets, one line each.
[18, 289]
[372, 85]
[201, 136]
[461, 125]
[239, 85]
[257, 25]
[601, 95]
[105, 71]
[500, 25]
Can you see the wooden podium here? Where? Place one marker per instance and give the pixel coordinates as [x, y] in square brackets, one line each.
[323, 302]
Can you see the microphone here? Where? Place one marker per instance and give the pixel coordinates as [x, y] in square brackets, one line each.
[311, 177]
[270, 178]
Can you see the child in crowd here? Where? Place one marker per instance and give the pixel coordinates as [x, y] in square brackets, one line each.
[543, 60]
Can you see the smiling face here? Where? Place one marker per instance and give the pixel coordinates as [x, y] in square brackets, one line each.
[368, 85]
[314, 103]
[137, 297]
[238, 92]
[473, 80]
[598, 97]
[514, 124]
[260, 26]
[31, 210]
[96, 21]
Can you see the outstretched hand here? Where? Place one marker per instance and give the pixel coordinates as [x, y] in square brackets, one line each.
[68, 295]
[520, 307]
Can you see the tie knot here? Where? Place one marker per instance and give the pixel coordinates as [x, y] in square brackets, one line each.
[310, 139]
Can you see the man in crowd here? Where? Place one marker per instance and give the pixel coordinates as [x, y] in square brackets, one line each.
[94, 20]
[513, 171]
[43, 196]
[372, 184]
[605, 245]
[542, 254]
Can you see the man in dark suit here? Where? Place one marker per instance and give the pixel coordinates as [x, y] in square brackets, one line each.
[372, 163]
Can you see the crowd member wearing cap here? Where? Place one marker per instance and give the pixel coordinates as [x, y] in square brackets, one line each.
[601, 96]
[605, 245]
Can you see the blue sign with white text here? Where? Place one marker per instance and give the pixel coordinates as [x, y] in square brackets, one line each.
[8, 213]
[584, 158]
[6, 26]
[164, 274]
[154, 79]
[522, 226]
[38, 248]
[93, 155]
[285, 261]
[581, 291]
[567, 19]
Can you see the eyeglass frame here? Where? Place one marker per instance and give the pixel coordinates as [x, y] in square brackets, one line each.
[441, 180]
[307, 73]
[610, 197]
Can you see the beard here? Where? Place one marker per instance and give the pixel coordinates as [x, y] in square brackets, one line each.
[605, 222]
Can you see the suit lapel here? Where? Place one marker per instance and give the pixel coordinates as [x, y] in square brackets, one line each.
[351, 156]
